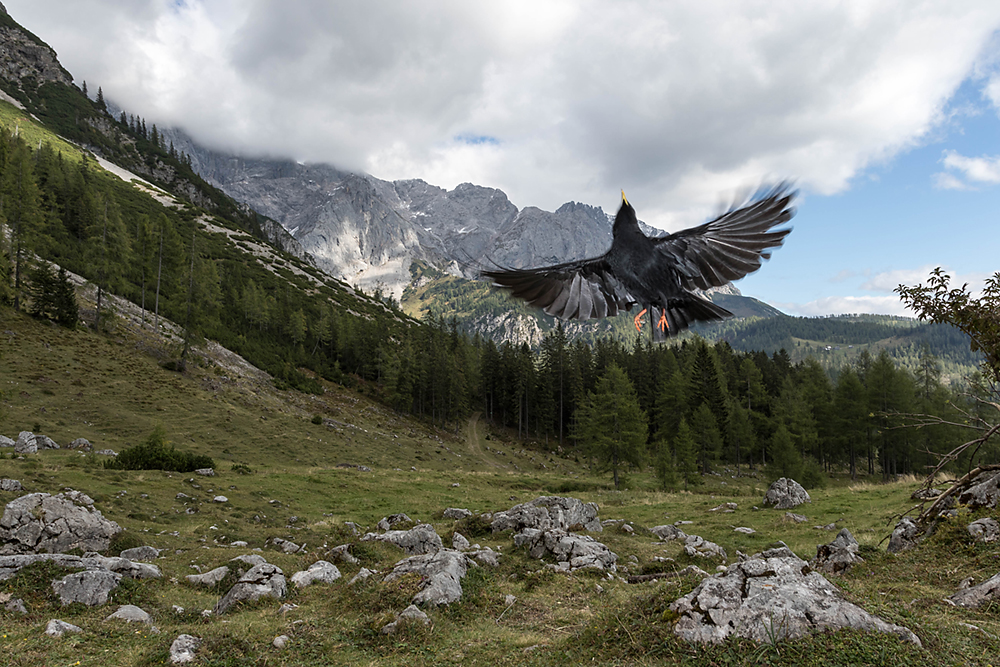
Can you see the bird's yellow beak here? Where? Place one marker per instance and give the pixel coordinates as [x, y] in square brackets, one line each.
[623, 198]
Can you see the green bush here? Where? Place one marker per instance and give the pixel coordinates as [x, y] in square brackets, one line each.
[157, 454]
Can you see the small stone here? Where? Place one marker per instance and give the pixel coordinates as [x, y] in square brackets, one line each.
[183, 649]
[281, 641]
[220, 499]
[130, 614]
[744, 530]
[205, 472]
[57, 628]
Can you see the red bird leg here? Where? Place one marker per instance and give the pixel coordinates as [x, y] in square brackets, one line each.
[638, 324]
[663, 324]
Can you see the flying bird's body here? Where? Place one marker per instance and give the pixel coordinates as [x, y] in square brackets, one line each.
[661, 274]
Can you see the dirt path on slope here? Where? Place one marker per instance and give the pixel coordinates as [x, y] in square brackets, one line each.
[474, 441]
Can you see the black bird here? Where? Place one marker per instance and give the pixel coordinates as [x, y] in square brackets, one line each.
[660, 274]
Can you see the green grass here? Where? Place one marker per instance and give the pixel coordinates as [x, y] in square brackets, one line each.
[69, 384]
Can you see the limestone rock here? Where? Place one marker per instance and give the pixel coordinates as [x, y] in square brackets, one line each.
[411, 614]
[79, 443]
[45, 442]
[11, 485]
[977, 596]
[210, 578]
[342, 554]
[57, 628]
[418, 540]
[145, 553]
[725, 507]
[6, 442]
[26, 443]
[39, 522]
[456, 513]
[985, 530]
[249, 559]
[785, 494]
[485, 557]
[363, 575]
[794, 518]
[90, 587]
[546, 513]
[838, 556]
[771, 596]
[926, 494]
[287, 546]
[15, 606]
[260, 581]
[459, 542]
[699, 547]
[745, 530]
[441, 571]
[281, 641]
[205, 472]
[388, 522]
[9, 565]
[668, 532]
[571, 552]
[320, 571]
[904, 536]
[183, 649]
[983, 492]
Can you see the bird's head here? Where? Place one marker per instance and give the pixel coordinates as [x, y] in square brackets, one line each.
[626, 217]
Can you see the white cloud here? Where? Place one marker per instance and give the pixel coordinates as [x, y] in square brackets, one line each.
[675, 102]
[983, 169]
[841, 305]
[945, 181]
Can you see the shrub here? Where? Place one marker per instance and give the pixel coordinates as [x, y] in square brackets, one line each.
[157, 454]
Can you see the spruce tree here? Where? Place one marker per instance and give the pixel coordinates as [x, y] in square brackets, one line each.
[21, 209]
[686, 456]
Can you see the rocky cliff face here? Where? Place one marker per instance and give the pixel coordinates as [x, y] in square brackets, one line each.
[24, 56]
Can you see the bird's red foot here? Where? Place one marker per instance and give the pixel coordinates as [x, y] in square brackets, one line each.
[663, 324]
[638, 324]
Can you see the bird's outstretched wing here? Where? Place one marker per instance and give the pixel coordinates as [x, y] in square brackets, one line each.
[575, 290]
[732, 245]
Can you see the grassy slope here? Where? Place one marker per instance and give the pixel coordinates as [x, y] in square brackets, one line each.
[72, 384]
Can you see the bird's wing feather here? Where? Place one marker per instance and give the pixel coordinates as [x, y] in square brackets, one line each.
[575, 290]
[732, 245]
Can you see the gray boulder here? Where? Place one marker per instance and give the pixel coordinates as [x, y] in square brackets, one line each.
[441, 574]
[904, 536]
[9, 565]
[287, 546]
[668, 532]
[130, 614]
[838, 556]
[79, 443]
[14, 606]
[459, 541]
[25, 443]
[90, 587]
[418, 540]
[768, 597]
[785, 494]
[249, 559]
[205, 472]
[342, 554]
[794, 518]
[389, 521]
[11, 485]
[571, 552]
[547, 513]
[184, 648]
[39, 522]
[320, 571]
[45, 442]
[263, 580]
[977, 596]
[145, 553]
[698, 547]
[456, 513]
[210, 578]
[57, 628]
[6, 442]
[983, 492]
[984, 530]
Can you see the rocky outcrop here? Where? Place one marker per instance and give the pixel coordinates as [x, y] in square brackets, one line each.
[26, 443]
[9, 565]
[977, 596]
[984, 530]
[456, 513]
[320, 571]
[905, 536]
[441, 575]
[785, 494]
[208, 579]
[39, 522]
[668, 532]
[11, 486]
[769, 597]
[838, 556]
[983, 492]
[57, 628]
[90, 587]
[410, 615]
[184, 649]
[547, 513]
[698, 547]
[418, 540]
[571, 552]
[264, 580]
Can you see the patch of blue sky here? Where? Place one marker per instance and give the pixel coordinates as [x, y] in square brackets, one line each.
[477, 139]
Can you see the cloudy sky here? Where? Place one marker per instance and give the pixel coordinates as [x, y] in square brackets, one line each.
[886, 114]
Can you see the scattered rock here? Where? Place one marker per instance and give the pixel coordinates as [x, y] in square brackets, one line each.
[6, 442]
[485, 557]
[183, 649]
[977, 596]
[725, 507]
[571, 552]
[205, 472]
[39, 522]
[769, 597]
[320, 571]
[281, 641]
[984, 530]
[57, 628]
[45, 442]
[260, 581]
[838, 556]
[418, 540]
[11, 485]
[904, 536]
[698, 546]
[286, 608]
[362, 575]
[90, 587]
[785, 494]
[146, 553]
[441, 573]
[287, 546]
[9, 565]
[130, 614]
[983, 492]
[546, 513]
[16, 606]
[459, 542]
[249, 559]
[411, 614]
[106, 452]
[456, 513]
[220, 499]
[795, 518]
[744, 530]
[210, 578]
[26, 443]
[926, 494]
[80, 443]
[341, 554]
[668, 532]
